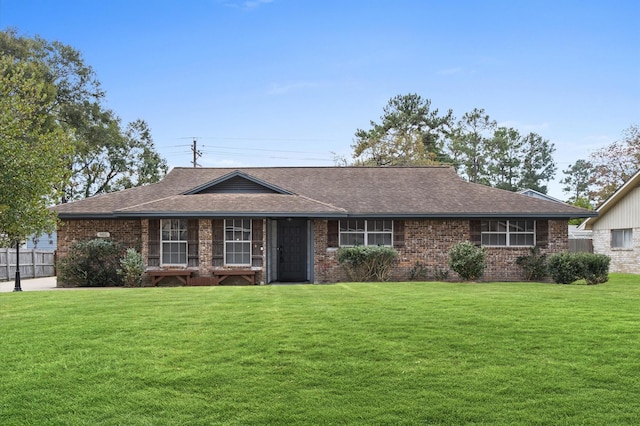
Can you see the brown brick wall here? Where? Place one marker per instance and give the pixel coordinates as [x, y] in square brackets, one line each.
[124, 231]
[135, 233]
[326, 267]
[427, 243]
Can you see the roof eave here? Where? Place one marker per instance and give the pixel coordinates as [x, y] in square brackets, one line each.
[222, 214]
[388, 215]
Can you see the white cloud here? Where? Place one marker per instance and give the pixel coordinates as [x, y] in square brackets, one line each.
[281, 89]
[252, 4]
[245, 4]
[451, 71]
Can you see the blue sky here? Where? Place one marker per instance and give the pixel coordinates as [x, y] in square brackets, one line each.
[288, 82]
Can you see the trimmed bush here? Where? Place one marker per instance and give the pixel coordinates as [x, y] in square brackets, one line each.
[468, 260]
[92, 263]
[566, 268]
[534, 265]
[131, 268]
[418, 272]
[367, 263]
[596, 268]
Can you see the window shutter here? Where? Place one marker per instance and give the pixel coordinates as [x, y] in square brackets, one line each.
[192, 242]
[153, 258]
[398, 233]
[218, 242]
[542, 233]
[332, 233]
[256, 242]
[475, 231]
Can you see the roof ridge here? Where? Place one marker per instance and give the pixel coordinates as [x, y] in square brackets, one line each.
[146, 202]
[432, 166]
[322, 203]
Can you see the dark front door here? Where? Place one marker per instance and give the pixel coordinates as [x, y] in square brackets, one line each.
[292, 250]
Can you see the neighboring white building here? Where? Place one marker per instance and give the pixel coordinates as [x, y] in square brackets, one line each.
[616, 229]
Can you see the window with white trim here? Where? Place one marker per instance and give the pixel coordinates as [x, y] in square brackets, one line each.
[173, 236]
[622, 238]
[361, 232]
[237, 242]
[509, 233]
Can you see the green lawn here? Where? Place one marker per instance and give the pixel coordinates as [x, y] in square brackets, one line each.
[394, 353]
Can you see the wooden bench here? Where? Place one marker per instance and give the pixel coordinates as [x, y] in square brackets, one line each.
[201, 281]
[220, 275]
[158, 274]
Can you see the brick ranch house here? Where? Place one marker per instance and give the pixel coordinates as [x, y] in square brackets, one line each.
[285, 224]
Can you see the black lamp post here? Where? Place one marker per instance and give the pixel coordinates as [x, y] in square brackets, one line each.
[17, 286]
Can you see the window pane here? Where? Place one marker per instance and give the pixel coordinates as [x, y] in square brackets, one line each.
[238, 253]
[494, 226]
[521, 239]
[174, 253]
[621, 238]
[628, 238]
[521, 225]
[494, 239]
[238, 229]
[174, 230]
[354, 225]
[379, 239]
[352, 239]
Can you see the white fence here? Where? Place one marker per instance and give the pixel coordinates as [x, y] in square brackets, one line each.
[33, 264]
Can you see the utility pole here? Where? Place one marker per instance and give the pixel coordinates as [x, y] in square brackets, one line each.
[196, 154]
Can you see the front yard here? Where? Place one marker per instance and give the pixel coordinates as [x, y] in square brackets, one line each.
[393, 353]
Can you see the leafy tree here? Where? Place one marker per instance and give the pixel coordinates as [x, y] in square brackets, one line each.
[577, 180]
[409, 133]
[32, 152]
[505, 158]
[106, 156]
[128, 160]
[469, 144]
[581, 202]
[538, 165]
[614, 164]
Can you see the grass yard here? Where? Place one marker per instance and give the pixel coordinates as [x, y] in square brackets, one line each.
[394, 353]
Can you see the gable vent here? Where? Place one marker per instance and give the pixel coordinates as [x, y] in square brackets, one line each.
[237, 185]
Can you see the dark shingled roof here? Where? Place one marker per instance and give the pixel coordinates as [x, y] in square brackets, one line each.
[435, 191]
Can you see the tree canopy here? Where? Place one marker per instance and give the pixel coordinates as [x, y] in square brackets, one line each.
[32, 152]
[106, 155]
[411, 132]
[605, 170]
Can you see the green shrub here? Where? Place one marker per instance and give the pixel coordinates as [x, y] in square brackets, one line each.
[367, 263]
[534, 265]
[468, 260]
[131, 268]
[565, 268]
[596, 268]
[92, 263]
[441, 274]
[418, 272]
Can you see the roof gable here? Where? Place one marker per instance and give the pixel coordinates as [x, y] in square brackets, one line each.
[613, 200]
[237, 182]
